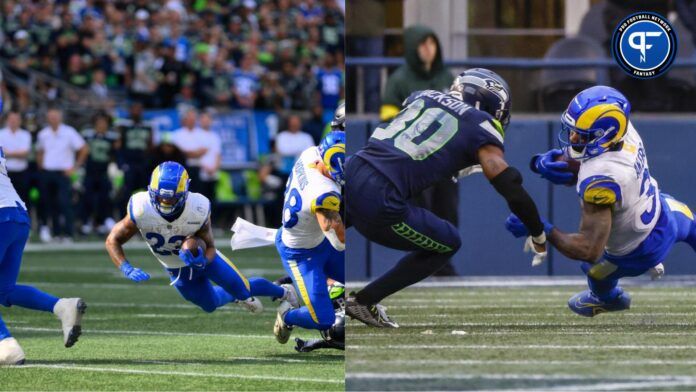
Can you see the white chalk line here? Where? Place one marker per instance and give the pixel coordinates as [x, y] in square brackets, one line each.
[175, 373]
[530, 324]
[520, 347]
[148, 333]
[511, 376]
[425, 362]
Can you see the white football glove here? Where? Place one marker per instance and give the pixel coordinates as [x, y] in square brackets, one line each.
[657, 271]
[538, 257]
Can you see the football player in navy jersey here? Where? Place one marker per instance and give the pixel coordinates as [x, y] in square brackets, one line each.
[436, 136]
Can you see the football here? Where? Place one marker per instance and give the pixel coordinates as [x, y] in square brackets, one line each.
[192, 244]
[573, 165]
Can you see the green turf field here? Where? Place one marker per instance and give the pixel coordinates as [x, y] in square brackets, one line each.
[146, 337]
[526, 339]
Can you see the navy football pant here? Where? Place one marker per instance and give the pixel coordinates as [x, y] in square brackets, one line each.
[14, 237]
[603, 278]
[196, 286]
[380, 213]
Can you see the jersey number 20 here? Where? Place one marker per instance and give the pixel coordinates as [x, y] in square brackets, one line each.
[410, 128]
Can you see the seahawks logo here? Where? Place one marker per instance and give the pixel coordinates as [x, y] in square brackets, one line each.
[496, 88]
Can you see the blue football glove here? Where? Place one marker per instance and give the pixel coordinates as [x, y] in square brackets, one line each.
[550, 169]
[514, 225]
[194, 262]
[132, 273]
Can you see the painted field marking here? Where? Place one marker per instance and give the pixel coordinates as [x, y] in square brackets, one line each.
[522, 347]
[148, 333]
[174, 373]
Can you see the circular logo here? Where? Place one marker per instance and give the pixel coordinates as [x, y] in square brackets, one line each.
[644, 45]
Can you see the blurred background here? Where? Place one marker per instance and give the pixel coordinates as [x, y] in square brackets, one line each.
[548, 51]
[97, 93]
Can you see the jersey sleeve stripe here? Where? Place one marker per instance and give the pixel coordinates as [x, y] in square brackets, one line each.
[488, 127]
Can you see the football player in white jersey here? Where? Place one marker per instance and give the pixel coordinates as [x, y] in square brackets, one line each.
[166, 215]
[311, 241]
[14, 228]
[628, 226]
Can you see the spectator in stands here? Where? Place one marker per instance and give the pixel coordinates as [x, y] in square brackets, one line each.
[424, 69]
[142, 79]
[330, 78]
[98, 86]
[136, 136]
[171, 74]
[291, 142]
[97, 208]
[211, 160]
[272, 95]
[166, 151]
[193, 141]
[315, 125]
[60, 152]
[245, 83]
[16, 145]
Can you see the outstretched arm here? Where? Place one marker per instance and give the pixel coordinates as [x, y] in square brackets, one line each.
[120, 234]
[507, 181]
[589, 242]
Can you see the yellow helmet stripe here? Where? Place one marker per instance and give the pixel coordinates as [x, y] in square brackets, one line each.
[154, 181]
[181, 187]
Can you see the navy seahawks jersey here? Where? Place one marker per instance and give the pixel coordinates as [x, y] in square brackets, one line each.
[434, 137]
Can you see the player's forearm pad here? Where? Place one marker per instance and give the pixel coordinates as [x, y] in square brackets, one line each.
[509, 184]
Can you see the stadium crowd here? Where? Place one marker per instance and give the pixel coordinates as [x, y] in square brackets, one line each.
[196, 56]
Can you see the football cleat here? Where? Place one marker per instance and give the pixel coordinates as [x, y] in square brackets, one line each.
[251, 304]
[383, 318]
[588, 305]
[281, 330]
[69, 312]
[290, 295]
[11, 352]
[372, 315]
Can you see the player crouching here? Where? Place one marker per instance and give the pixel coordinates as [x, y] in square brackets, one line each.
[312, 238]
[628, 226]
[167, 216]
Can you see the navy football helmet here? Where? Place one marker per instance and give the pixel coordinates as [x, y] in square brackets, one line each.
[486, 91]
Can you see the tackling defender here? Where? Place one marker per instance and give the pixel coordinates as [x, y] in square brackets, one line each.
[15, 227]
[312, 238]
[435, 136]
[627, 226]
[166, 215]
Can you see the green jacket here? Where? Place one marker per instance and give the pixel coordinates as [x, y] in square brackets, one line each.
[412, 76]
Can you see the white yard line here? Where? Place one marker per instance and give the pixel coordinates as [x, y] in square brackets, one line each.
[399, 316]
[601, 386]
[423, 362]
[440, 334]
[521, 347]
[175, 373]
[148, 333]
[539, 281]
[512, 376]
[523, 324]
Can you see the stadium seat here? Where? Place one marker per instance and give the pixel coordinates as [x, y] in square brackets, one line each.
[558, 86]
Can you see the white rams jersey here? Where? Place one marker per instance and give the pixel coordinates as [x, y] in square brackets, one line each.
[621, 178]
[307, 190]
[8, 194]
[163, 237]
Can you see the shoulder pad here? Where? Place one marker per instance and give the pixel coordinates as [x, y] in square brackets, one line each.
[327, 201]
[599, 189]
[200, 205]
[136, 206]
